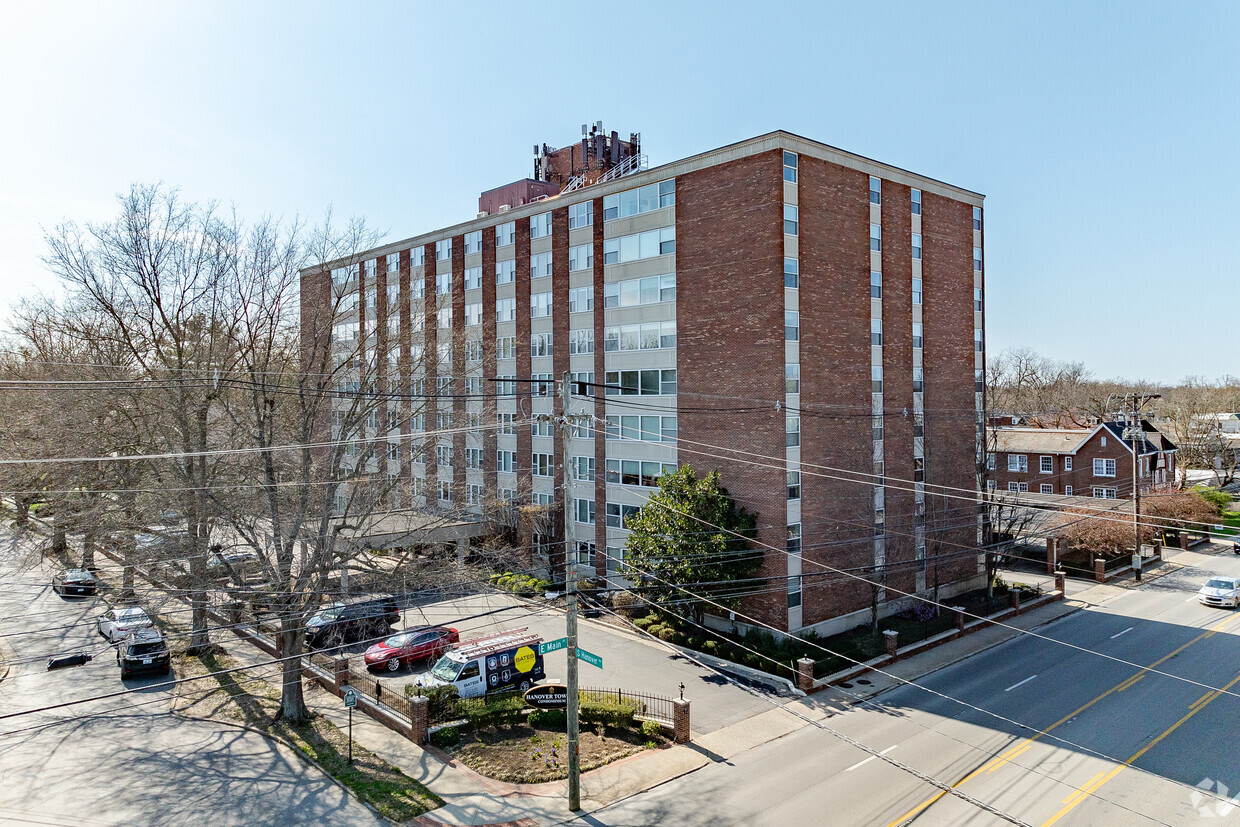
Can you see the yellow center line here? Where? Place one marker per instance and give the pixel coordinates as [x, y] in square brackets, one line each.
[1202, 698]
[1080, 793]
[1130, 683]
[1094, 784]
[1028, 742]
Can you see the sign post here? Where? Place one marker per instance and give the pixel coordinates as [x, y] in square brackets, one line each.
[350, 701]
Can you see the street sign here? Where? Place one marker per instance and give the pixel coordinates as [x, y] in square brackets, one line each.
[552, 646]
[350, 698]
[590, 658]
[548, 696]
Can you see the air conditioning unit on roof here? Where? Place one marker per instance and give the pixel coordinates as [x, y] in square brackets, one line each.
[505, 207]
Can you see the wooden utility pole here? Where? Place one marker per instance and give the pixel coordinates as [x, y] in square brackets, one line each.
[1137, 434]
[570, 596]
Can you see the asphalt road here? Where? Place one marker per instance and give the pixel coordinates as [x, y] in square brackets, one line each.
[127, 760]
[1121, 745]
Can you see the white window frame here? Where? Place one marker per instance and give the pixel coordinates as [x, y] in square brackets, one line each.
[1046, 464]
[1018, 463]
[1104, 467]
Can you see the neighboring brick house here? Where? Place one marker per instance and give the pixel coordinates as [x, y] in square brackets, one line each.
[1081, 462]
[777, 308]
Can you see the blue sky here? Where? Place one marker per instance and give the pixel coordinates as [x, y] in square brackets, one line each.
[1104, 135]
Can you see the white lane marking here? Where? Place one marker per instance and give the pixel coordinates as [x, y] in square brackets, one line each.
[1126, 631]
[1022, 683]
[865, 761]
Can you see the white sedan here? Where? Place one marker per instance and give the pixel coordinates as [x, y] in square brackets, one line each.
[115, 624]
[1221, 591]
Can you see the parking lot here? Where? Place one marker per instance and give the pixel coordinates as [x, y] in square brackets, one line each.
[629, 662]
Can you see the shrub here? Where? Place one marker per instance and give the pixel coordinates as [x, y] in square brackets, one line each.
[484, 712]
[651, 729]
[1215, 497]
[626, 603]
[643, 623]
[446, 737]
[617, 714]
[550, 718]
[668, 634]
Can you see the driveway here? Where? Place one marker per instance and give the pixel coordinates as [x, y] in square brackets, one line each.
[628, 661]
[127, 760]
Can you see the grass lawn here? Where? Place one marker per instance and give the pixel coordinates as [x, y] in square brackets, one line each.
[256, 703]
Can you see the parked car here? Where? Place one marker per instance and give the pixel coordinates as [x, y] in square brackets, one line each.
[115, 624]
[1220, 591]
[75, 581]
[144, 651]
[231, 563]
[411, 645]
[342, 623]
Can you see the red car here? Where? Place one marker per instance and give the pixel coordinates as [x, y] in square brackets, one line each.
[403, 648]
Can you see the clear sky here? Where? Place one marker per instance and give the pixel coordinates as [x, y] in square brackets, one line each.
[1104, 135]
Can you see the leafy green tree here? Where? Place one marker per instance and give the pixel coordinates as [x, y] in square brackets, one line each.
[682, 537]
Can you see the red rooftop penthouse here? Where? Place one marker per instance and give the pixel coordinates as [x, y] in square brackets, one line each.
[805, 320]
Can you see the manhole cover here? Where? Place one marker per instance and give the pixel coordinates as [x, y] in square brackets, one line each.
[863, 682]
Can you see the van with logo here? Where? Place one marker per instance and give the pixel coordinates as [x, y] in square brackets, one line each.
[494, 663]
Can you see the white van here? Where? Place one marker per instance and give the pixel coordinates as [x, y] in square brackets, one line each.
[505, 660]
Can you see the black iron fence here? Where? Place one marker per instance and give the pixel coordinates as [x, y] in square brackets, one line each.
[649, 707]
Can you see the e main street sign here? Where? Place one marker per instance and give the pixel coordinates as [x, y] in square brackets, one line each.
[547, 696]
[552, 646]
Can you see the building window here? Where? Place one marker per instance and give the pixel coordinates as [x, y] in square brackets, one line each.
[540, 344]
[1013, 486]
[505, 310]
[919, 380]
[792, 378]
[1046, 489]
[581, 215]
[540, 265]
[1046, 465]
[580, 299]
[473, 278]
[977, 259]
[917, 246]
[1018, 462]
[443, 283]
[540, 225]
[583, 469]
[876, 332]
[876, 378]
[445, 491]
[990, 485]
[637, 472]
[876, 284]
[876, 190]
[505, 234]
[473, 242]
[417, 257]
[876, 238]
[580, 257]
[794, 538]
[977, 218]
[505, 347]
[542, 465]
[640, 382]
[1104, 468]
[444, 318]
[979, 381]
[794, 485]
[790, 167]
[618, 515]
[505, 271]
[916, 291]
[1067, 463]
[645, 428]
[876, 427]
[1067, 491]
[443, 250]
[635, 292]
[540, 305]
[977, 299]
[792, 326]
[473, 313]
[978, 345]
[792, 432]
[506, 460]
[919, 469]
[638, 246]
[878, 468]
[792, 272]
[640, 200]
[919, 429]
[585, 511]
[791, 220]
[915, 196]
[581, 342]
[640, 337]
[917, 339]
[1104, 493]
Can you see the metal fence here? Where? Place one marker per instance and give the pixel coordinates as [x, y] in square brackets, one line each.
[649, 707]
[363, 681]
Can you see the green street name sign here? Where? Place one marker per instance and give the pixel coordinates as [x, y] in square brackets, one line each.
[553, 646]
[590, 658]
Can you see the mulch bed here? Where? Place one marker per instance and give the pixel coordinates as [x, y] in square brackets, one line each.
[527, 755]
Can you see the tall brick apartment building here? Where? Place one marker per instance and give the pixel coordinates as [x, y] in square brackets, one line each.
[806, 320]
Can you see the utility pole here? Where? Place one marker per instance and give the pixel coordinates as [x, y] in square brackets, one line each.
[1136, 433]
[570, 597]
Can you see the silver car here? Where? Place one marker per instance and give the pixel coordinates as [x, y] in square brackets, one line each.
[115, 624]
[1220, 591]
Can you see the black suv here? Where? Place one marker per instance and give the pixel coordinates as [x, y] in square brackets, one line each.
[342, 623]
[144, 651]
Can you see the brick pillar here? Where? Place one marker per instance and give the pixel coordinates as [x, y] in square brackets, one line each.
[1013, 598]
[419, 718]
[1184, 540]
[341, 670]
[680, 721]
[891, 640]
[960, 618]
[805, 675]
[1061, 582]
[1100, 570]
[1052, 555]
